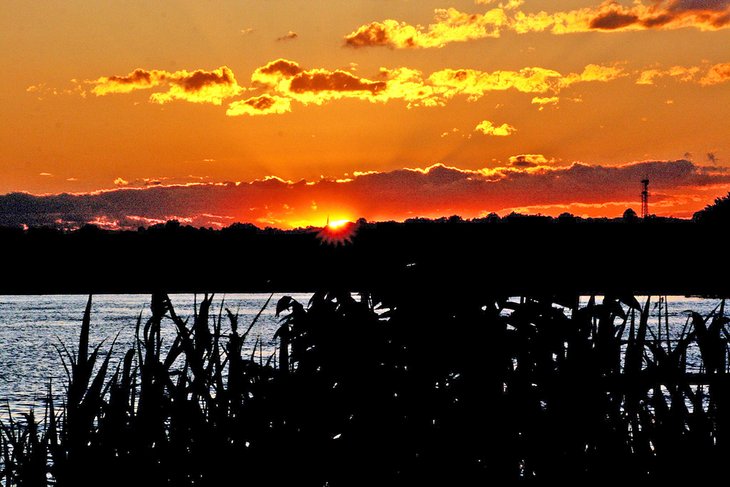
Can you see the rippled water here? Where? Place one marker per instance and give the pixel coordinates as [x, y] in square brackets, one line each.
[31, 327]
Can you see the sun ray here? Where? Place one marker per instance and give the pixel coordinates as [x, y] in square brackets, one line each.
[337, 232]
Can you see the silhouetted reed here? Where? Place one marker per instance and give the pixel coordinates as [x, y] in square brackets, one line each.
[389, 390]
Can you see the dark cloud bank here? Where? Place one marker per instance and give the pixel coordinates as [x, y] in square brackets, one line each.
[396, 194]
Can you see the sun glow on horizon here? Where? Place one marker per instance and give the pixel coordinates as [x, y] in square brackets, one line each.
[337, 224]
[337, 232]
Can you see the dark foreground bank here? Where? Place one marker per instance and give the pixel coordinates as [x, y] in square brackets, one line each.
[511, 256]
[391, 389]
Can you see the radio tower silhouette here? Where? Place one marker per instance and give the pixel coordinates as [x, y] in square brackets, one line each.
[645, 198]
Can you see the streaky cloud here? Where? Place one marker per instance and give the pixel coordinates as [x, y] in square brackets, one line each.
[287, 79]
[199, 86]
[719, 73]
[451, 25]
[259, 105]
[705, 75]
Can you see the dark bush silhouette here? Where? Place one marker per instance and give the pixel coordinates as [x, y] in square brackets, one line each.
[718, 212]
[534, 255]
[398, 388]
[630, 216]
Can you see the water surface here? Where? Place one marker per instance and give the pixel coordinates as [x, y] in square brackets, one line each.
[33, 328]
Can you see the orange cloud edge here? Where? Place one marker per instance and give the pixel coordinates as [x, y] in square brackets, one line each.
[280, 85]
[451, 25]
[530, 184]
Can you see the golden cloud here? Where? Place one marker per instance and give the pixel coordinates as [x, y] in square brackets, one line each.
[139, 79]
[528, 160]
[595, 72]
[488, 128]
[316, 86]
[199, 86]
[719, 73]
[545, 100]
[259, 105]
[715, 74]
[648, 76]
[409, 85]
[287, 79]
[475, 83]
[320, 85]
[662, 14]
[275, 74]
[451, 25]
[282, 81]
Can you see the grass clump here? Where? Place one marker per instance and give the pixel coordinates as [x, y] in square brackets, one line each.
[390, 390]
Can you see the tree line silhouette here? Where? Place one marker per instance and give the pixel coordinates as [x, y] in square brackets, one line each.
[516, 254]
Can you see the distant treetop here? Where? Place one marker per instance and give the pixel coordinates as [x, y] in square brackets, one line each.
[718, 212]
[630, 215]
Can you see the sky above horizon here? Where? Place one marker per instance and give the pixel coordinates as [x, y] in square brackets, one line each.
[286, 112]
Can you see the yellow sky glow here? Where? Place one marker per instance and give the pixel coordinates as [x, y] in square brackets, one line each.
[127, 95]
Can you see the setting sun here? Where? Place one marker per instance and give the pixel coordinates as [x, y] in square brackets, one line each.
[337, 232]
[337, 224]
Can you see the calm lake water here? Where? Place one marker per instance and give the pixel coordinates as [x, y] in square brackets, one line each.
[32, 327]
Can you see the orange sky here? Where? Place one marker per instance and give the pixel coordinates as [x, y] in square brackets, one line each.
[113, 96]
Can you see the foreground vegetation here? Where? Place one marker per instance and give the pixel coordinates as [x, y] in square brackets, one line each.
[402, 389]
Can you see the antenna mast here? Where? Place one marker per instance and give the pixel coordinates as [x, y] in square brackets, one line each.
[645, 198]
